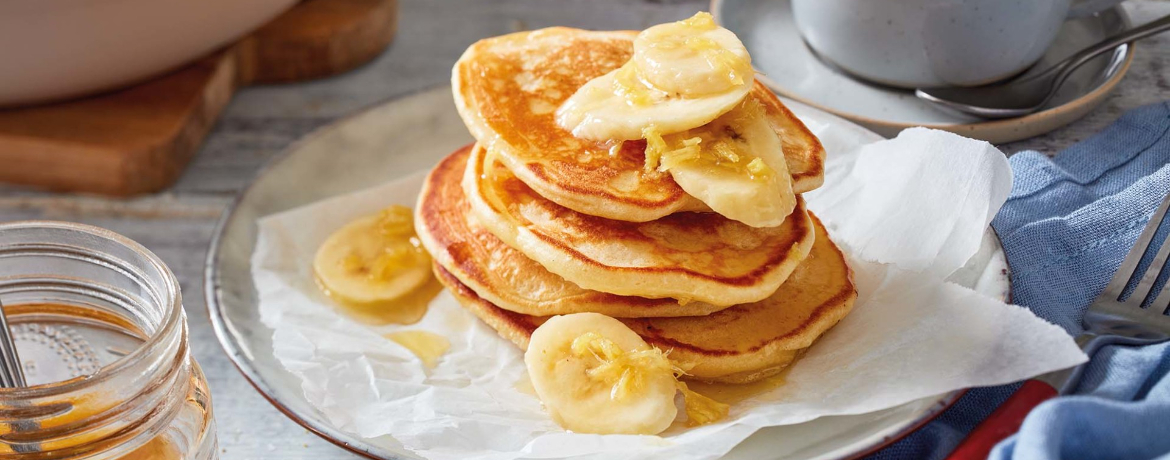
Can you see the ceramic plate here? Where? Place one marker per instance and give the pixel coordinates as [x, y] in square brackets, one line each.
[791, 69]
[411, 134]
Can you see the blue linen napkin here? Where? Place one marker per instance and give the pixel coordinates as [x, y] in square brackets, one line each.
[1066, 227]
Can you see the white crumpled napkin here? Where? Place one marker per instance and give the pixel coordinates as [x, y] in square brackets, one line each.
[909, 212]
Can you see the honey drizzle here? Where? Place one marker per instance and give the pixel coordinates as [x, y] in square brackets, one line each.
[735, 393]
[31, 311]
[427, 346]
[69, 411]
[408, 309]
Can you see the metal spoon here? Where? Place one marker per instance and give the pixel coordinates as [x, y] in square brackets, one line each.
[11, 374]
[1023, 96]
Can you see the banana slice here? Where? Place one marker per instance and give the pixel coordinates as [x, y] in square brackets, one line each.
[735, 165]
[692, 58]
[595, 375]
[373, 259]
[682, 76]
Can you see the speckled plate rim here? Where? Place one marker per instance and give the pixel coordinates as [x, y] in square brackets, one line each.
[994, 131]
[215, 304]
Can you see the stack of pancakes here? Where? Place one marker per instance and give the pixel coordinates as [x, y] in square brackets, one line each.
[532, 222]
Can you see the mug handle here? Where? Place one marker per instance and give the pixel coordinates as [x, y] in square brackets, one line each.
[1090, 7]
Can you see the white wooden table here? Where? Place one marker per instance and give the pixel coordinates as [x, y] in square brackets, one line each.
[261, 121]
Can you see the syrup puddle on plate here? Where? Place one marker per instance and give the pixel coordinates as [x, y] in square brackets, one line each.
[408, 309]
[734, 393]
[427, 346]
[727, 393]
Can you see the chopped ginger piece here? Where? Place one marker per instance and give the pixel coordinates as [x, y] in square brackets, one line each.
[626, 85]
[702, 410]
[689, 152]
[655, 148]
[759, 169]
[624, 371]
[718, 57]
[718, 144]
[725, 151]
[701, 20]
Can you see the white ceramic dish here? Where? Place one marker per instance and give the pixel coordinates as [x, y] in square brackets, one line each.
[413, 133]
[54, 49]
[792, 70]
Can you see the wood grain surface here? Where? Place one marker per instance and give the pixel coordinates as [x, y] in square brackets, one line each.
[317, 38]
[262, 120]
[139, 139]
[120, 143]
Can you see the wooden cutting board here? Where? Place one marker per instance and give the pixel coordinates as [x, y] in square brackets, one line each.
[139, 139]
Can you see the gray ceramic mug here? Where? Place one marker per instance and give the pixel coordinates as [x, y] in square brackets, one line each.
[925, 43]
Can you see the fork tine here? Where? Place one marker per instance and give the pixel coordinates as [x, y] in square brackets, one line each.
[1152, 272]
[1161, 304]
[1125, 271]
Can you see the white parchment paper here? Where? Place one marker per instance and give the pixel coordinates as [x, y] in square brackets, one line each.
[908, 211]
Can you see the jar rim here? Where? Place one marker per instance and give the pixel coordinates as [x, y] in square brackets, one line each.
[170, 321]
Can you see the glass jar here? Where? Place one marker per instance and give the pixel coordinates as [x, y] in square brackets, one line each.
[99, 325]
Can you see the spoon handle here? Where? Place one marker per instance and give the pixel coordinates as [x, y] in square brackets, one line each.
[1136, 33]
[11, 374]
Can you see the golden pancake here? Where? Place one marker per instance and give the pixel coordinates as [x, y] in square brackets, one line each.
[691, 256]
[740, 344]
[508, 88]
[503, 275]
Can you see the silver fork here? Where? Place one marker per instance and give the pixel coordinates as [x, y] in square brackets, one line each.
[1109, 320]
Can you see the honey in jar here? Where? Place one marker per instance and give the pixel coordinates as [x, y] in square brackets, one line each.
[99, 325]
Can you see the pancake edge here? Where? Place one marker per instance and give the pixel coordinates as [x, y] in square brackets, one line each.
[675, 283]
[705, 365]
[437, 239]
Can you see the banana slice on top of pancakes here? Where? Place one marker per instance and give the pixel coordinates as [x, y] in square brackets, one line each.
[611, 124]
[682, 75]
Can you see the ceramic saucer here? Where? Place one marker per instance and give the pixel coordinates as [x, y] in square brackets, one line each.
[792, 70]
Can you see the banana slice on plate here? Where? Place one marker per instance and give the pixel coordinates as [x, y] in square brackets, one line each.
[735, 165]
[373, 259]
[682, 76]
[595, 375]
